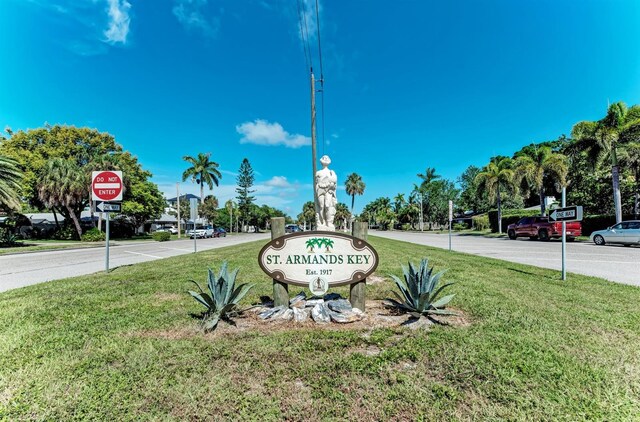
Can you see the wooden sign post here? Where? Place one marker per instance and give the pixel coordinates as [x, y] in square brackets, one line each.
[357, 295]
[280, 289]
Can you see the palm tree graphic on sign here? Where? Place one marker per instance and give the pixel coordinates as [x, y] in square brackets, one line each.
[319, 243]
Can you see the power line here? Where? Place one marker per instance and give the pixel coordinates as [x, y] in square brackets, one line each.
[305, 43]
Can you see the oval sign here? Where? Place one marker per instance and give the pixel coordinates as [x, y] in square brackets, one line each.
[334, 258]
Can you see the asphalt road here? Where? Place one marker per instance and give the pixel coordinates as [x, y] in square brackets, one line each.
[615, 263]
[31, 268]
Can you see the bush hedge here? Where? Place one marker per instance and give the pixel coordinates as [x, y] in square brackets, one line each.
[161, 236]
[480, 222]
[93, 235]
[592, 223]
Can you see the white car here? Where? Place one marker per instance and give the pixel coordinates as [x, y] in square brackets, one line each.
[626, 233]
[172, 230]
[202, 233]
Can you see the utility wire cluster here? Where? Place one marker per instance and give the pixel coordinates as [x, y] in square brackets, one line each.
[308, 56]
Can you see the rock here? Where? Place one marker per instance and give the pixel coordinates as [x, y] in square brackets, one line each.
[332, 296]
[313, 302]
[285, 314]
[340, 305]
[418, 323]
[344, 317]
[270, 312]
[358, 312]
[300, 315]
[298, 301]
[320, 313]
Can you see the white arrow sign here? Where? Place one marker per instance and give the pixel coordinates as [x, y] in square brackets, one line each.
[567, 214]
[108, 207]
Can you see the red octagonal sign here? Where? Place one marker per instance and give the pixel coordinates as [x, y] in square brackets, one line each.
[106, 186]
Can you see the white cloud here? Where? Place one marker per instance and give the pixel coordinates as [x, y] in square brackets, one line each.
[190, 14]
[118, 21]
[261, 132]
[278, 182]
[308, 27]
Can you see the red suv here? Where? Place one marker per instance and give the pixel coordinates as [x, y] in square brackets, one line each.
[543, 229]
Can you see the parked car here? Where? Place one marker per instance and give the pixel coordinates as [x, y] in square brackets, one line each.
[202, 232]
[172, 230]
[292, 228]
[220, 232]
[543, 229]
[626, 233]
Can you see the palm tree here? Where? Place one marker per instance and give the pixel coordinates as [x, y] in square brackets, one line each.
[600, 140]
[202, 171]
[535, 163]
[398, 202]
[230, 205]
[63, 184]
[10, 180]
[354, 186]
[342, 214]
[428, 176]
[496, 176]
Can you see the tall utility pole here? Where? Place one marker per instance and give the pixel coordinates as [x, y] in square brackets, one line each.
[313, 140]
[178, 199]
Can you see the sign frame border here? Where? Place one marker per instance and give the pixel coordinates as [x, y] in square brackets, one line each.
[358, 276]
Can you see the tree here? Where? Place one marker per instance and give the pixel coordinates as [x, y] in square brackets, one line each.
[202, 171]
[209, 208]
[144, 202]
[88, 149]
[308, 215]
[631, 158]
[342, 216]
[600, 140]
[428, 178]
[536, 163]
[10, 183]
[230, 206]
[354, 186]
[245, 181]
[497, 175]
[185, 211]
[471, 197]
[64, 185]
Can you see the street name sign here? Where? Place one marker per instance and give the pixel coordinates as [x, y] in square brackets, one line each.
[318, 259]
[573, 213]
[106, 186]
[108, 206]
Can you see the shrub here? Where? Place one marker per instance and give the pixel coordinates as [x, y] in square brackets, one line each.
[222, 300]
[7, 238]
[420, 292]
[480, 222]
[592, 223]
[406, 227]
[161, 236]
[459, 226]
[65, 233]
[93, 235]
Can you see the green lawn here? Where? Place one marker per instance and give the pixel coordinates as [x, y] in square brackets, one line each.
[123, 346]
[37, 247]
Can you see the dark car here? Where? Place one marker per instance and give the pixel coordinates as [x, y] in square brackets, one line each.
[292, 228]
[220, 232]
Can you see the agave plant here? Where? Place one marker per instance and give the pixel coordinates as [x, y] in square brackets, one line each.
[223, 297]
[420, 292]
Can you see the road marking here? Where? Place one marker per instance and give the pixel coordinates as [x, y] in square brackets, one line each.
[143, 254]
[177, 249]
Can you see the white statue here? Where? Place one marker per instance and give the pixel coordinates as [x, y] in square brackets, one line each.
[326, 201]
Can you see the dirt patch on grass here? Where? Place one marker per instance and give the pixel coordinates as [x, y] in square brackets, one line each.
[376, 317]
[167, 297]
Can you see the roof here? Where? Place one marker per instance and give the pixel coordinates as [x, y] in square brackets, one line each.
[182, 197]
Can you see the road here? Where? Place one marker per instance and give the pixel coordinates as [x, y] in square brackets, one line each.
[615, 263]
[32, 268]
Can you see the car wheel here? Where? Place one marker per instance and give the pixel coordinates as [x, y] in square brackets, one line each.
[598, 240]
[512, 234]
[543, 235]
[626, 244]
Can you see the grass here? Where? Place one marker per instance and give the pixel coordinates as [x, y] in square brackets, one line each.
[123, 346]
[25, 247]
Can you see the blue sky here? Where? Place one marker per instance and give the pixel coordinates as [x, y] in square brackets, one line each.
[408, 84]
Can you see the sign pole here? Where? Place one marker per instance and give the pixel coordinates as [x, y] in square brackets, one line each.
[106, 263]
[564, 236]
[450, 221]
[280, 289]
